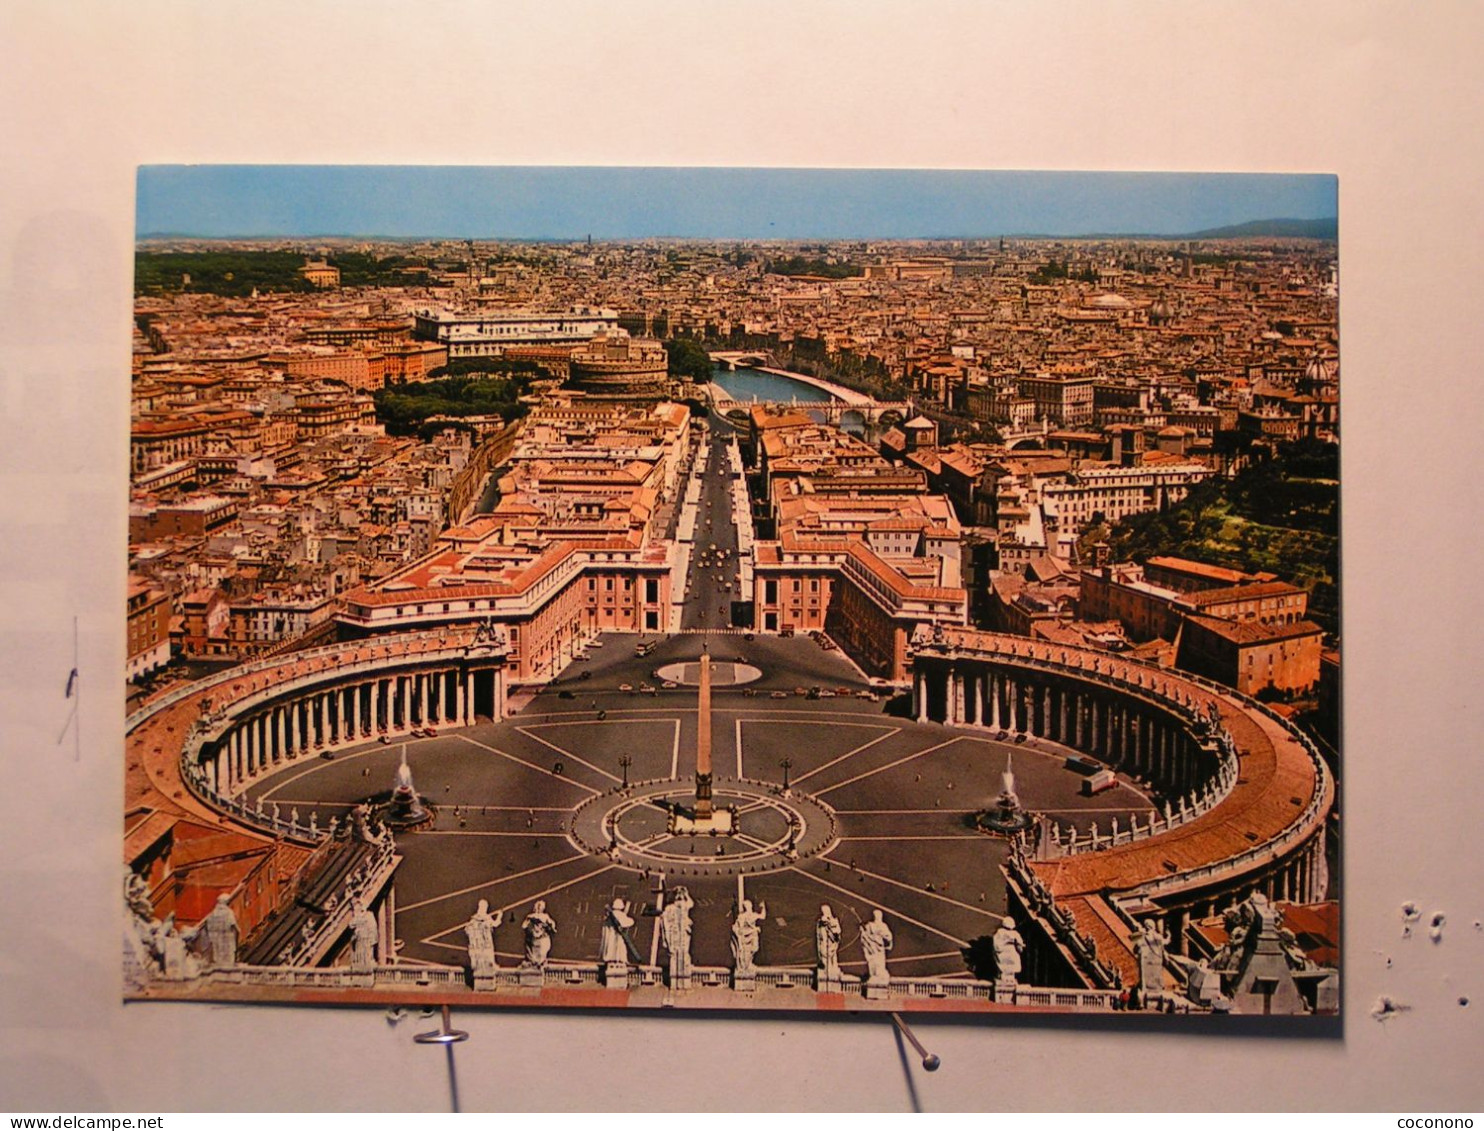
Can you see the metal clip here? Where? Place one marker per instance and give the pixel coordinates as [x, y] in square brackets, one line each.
[449, 1036]
[930, 1061]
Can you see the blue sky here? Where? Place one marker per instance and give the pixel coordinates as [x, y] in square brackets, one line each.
[623, 203]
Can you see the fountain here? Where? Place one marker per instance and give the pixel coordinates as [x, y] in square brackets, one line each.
[1007, 816]
[405, 810]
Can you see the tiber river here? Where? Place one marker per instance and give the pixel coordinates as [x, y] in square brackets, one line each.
[741, 384]
[751, 385]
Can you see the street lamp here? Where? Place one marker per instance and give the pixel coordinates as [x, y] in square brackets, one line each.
[787, 765]
[625, 762]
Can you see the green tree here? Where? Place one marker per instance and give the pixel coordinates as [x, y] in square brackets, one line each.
[688, 359]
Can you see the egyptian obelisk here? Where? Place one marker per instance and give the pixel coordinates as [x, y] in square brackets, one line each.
[703, 810]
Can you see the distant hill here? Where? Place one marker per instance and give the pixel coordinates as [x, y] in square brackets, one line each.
[1325, 229]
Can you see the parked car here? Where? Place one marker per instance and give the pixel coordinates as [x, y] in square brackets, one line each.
[779, 695]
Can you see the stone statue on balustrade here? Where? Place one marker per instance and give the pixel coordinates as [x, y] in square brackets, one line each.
[876, 944]
[615, 944]
[1237, 921]
[1213, 716]
[480, 931]
[1150, 944]
[539, 927]
[360, 818]
[675, 930]
[747, 937]
[136, 896]
[174, 952]
[610, 943]
[141, 932]
[827, 944]
[1008, 948]
[363, 936]
[220, 933]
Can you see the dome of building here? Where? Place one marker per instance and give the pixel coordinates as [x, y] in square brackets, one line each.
[1109, 301]
[1320, 370]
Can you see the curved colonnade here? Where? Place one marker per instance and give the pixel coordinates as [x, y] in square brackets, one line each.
[1243, 795]
[218, 735]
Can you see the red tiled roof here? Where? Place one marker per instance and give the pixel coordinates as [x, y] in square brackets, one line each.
[1254, 632]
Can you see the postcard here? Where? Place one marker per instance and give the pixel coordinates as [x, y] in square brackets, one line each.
[734, 589]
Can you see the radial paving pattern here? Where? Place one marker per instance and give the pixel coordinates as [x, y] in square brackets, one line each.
[535, 807]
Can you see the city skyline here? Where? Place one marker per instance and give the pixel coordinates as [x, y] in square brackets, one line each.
[618, 203]
[731, 623]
